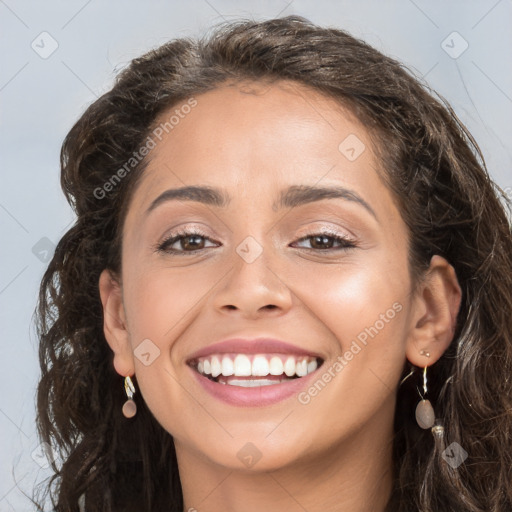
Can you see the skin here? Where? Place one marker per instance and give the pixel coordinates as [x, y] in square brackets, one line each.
[253, 140]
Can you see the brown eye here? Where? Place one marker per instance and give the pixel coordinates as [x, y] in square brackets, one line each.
[192, 242]
[326, 241]
[185, 242]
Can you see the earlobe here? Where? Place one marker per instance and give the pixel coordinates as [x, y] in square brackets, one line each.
[436, 307]
[114, 323]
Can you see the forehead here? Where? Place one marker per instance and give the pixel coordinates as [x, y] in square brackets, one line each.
[253, 137]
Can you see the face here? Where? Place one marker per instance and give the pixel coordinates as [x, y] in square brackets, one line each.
[271, 258]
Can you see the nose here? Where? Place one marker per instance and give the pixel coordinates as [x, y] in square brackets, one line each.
[251, 290]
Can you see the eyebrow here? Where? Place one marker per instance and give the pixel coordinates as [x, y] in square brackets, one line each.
[293, 196]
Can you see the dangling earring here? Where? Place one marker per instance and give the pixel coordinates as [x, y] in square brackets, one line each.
[129, 407]
[424, 411]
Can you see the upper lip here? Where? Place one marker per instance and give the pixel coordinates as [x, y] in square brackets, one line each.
[252, 346]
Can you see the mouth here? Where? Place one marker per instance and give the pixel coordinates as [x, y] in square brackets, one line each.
[254, 370]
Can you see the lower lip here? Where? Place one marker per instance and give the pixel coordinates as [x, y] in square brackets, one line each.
[256, 396]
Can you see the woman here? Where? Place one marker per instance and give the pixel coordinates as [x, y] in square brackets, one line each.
[288, 287]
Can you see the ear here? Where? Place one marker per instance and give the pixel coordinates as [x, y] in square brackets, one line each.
[114, 324]
[435, 310]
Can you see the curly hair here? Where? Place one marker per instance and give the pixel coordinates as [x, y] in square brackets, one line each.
[447, 199]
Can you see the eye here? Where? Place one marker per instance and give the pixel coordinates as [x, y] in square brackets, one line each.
[192, 241]
[188, 241]
[325, 241]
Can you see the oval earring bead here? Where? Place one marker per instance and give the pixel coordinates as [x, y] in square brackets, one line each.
[425, 414]
[129, 408]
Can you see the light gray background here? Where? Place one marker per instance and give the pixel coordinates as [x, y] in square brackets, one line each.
[40, 98]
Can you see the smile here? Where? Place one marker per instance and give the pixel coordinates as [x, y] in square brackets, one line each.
[245, 370]
[257, 380]
[253, 372]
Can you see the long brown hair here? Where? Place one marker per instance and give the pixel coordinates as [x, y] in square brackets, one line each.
[447, 199]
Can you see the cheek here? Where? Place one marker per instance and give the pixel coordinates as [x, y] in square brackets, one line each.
[161, 301]
[354, 298]
[363, 308]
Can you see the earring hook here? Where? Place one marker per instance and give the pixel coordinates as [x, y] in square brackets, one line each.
[129, 387]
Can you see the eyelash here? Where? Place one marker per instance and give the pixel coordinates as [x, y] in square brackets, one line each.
[346, 242]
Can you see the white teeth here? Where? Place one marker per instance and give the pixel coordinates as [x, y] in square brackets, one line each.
[216, 367]
[276, 366]
[228, 368]
[301, 368]
[242, 366]
[289, 367]
[260, 366]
